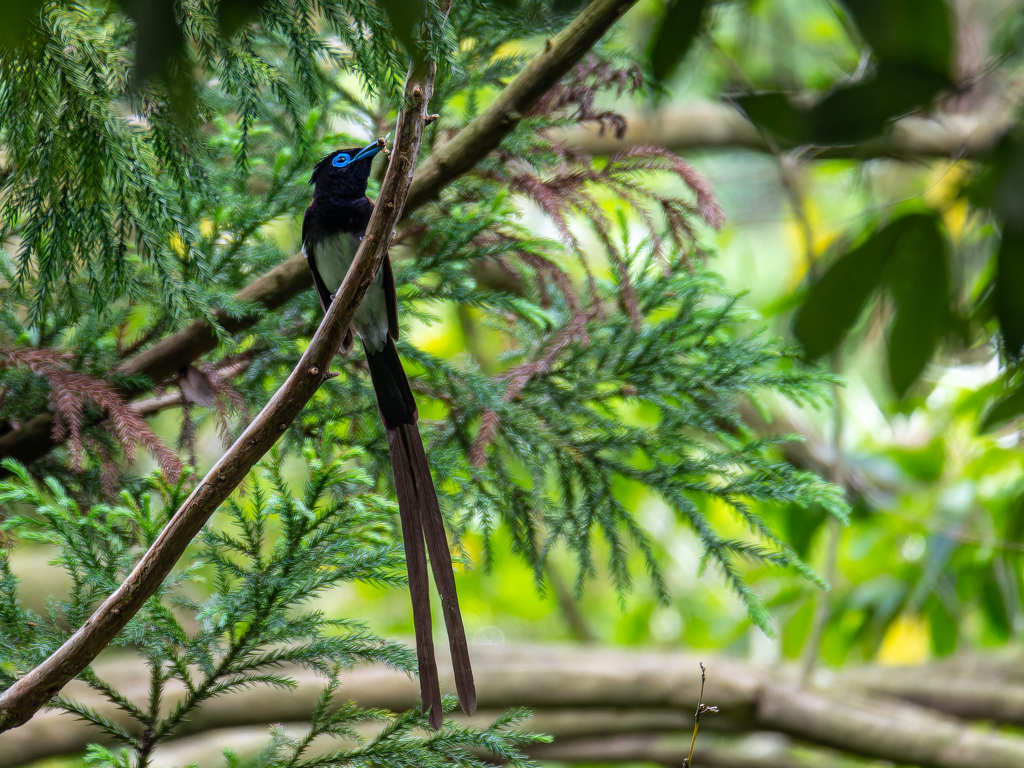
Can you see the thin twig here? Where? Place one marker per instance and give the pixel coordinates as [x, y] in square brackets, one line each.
[701, 711]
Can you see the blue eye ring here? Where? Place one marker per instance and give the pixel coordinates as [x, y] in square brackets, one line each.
[340, 161]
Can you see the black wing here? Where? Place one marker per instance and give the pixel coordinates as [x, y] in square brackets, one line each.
[357, 219]
[318, 282]
[388, 276]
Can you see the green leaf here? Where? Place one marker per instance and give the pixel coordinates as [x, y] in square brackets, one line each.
[1009, 289]
[798, 629]
[943, 626]
[801, 524]
[993, 606]
[913, 43]
[406, 16]
[910, 254]
[1004, 411]
[847, 115]
[18, 16]
[673, 36]
[772, 113]
[1000, 187]
[1001, 178]
[1013, 524]
[919, 279]
[1008, 39]
[863, 110]
[232, 14]
[918, 33]
[835, 301]
[925, 463]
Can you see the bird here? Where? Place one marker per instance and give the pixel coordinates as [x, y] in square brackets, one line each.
[332, 227]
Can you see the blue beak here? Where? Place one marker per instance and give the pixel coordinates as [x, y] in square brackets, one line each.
[368, 151]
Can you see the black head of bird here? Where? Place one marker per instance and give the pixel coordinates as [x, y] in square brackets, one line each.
[343, 174]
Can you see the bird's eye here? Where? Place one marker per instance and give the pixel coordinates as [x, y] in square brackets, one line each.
[340, 161]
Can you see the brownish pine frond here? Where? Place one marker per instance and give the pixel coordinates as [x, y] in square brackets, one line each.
[110, 472]
[572, 192]
[488, 429]
[209, 385]
[227, 400]
[655, 159]
[576, 93]
[70, 394]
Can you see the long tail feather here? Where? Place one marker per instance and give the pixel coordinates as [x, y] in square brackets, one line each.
[441, 566]
[421, 518]
[419, 589]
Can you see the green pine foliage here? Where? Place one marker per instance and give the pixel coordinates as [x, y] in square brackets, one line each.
[621, 359]
[105, 176]
[602, 352]
[587, 402]
[272, 556]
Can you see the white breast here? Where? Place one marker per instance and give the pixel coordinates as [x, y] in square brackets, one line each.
[333, 257]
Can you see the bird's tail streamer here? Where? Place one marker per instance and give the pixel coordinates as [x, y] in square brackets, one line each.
[421, 522]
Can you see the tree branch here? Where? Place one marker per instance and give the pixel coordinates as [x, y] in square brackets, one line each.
[486, 132]
[33, 439]
[31, 692]
[634, 704]
[707, 125]
[757, 750]
[754, 750]
[958, 686]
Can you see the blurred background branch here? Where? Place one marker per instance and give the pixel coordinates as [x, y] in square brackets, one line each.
[709, 126]
[635, 706]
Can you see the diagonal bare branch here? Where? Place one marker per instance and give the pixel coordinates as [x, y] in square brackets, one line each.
[30, 693]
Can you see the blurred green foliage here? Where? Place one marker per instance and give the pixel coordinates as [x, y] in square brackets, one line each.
[925, 329]
[908, 256]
